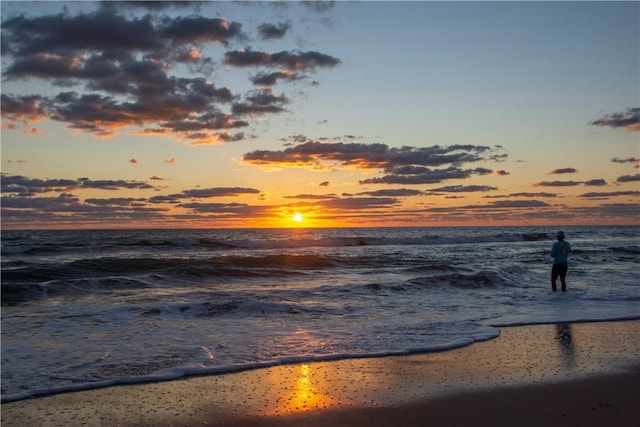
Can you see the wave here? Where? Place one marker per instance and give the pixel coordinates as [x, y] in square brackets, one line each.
[23, 282]
[136, 373]
[200, 369]
[626, 249]
[482, 279]
[166, 242]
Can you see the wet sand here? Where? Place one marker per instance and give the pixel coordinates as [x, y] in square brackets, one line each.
[572, 374]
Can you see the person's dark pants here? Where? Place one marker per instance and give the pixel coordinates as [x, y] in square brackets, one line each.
[559, 270]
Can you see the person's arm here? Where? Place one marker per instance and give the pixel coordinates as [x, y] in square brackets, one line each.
[554, 248]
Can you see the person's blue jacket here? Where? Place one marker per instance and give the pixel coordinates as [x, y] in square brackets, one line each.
[560, 252]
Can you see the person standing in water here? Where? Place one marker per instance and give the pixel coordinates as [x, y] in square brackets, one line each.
[560, 252]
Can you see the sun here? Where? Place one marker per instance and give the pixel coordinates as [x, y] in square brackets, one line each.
[297, 217]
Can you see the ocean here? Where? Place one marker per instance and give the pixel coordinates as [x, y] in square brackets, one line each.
[86, 309]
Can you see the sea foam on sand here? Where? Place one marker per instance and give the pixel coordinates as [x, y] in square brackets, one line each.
[565, 374]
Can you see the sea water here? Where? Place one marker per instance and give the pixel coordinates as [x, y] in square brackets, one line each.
[86, 309]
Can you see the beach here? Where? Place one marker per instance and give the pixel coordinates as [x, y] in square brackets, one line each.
[559, 374]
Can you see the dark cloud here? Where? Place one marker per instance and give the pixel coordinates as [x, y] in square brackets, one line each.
[218, 192]
[171, 198]
[114, 201]
[627, 160]
[421, 175]
[611, 194]
[393, 192]
[270, 79]
[47, 203]
[195, 29]
[261, 101]
[223, 208]
[563, 170]
[110, 184]
[359, 203]
[153, 4]
[273, 31]
[500, 204]
[524, 194]
[287, 60]
[311, 196]
[21, 202]
[502, 172]
[625, 211]
[596, 182]
[318, 5]
[404, 165]
[463, 189]
[557, 184]
[629, 178]
[16, 184]
[23, 108]
[630, 120]
[117, 68]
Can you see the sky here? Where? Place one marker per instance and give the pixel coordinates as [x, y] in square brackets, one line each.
[319, 114]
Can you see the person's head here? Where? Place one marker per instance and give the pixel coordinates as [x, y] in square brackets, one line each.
[560, 235]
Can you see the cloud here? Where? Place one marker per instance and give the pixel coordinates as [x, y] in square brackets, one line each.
[627, 160]
[463, 189]
[270, 79]
[393, 192]
[110, 184]
[171, 160]
[46, 203]
[524, 194]
[261, 101]
[287, 60]
[224, 208]
[403, 165]
[557, 184]
[629, 178]
[16, 184]
[273, 31]
[133, 161]
[500, 204]
[318, 5]
[596, 182]
[351, 203]
[610, 194]
[120, 70]
[502, 172]
[114, 201]
[563, 170]
[630, 120]
[311, 196]
[218, 192]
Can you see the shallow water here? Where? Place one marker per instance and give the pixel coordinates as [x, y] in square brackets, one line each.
[83, 309]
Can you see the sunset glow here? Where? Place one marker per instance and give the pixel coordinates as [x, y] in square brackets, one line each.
[240, 114]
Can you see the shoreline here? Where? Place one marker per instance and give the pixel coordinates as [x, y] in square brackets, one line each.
[563, 360]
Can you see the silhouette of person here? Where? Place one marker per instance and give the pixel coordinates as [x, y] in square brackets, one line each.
[560, 253]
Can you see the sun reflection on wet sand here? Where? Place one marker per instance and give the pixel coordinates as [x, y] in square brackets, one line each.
[306, 395]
